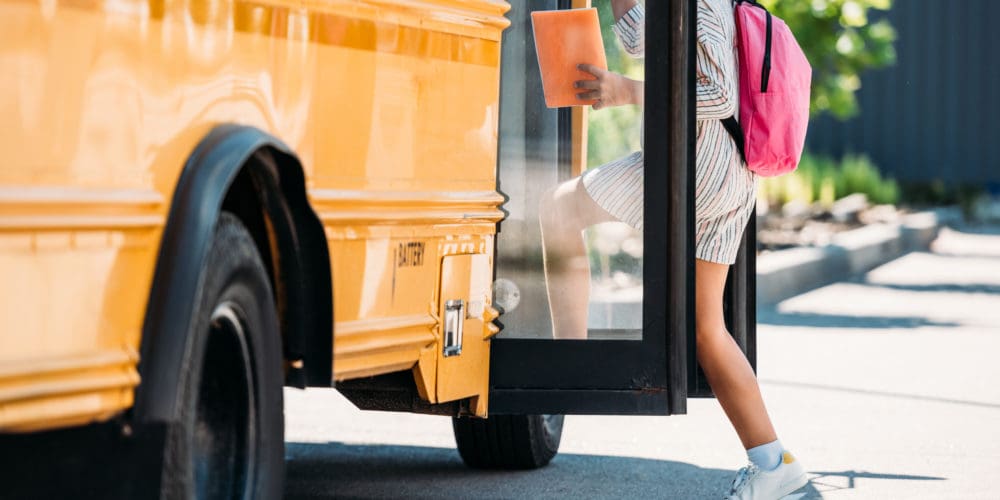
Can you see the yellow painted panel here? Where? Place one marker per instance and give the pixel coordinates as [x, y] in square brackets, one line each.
[371, 364]
[104, 100]
[387, 288]
[65, 410]
[62, 390]
[466, 278]
[411, 133]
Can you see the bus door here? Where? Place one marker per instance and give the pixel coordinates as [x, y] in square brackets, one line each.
[635, 354]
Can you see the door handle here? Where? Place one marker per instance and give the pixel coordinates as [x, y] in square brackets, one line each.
[454, 320]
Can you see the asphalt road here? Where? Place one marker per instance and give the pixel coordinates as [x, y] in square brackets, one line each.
[885, 386]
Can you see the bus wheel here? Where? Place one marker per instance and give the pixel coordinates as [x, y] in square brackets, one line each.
[508, 441]
[230, 440]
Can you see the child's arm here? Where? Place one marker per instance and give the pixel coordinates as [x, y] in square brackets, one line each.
[716, 86]
[609, 88]
[630, 26]
[620, 7]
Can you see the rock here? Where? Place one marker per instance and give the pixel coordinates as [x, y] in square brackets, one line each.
[849, 207]
[633, 247]
[795, 209]
[607, 238]
[763, 207]
[816, 234]
[880, 213]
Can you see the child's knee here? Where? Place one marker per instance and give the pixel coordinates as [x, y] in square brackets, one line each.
[551, 206]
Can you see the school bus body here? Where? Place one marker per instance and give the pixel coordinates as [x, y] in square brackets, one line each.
[390, 106]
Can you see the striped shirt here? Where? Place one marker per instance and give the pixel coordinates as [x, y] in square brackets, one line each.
[725, 190]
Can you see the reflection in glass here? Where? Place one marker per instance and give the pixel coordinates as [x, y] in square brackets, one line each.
[595, 275]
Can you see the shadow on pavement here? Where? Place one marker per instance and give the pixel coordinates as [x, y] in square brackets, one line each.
[964, 254]
[942, 287]
[338, 470]
[985, 229]
[900, 395]
[846, 480]
[769, 316]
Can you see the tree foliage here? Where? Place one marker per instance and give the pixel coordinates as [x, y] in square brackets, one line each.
[838, 37]
[841, 43]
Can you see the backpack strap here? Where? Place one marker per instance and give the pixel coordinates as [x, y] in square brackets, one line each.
[736, 131]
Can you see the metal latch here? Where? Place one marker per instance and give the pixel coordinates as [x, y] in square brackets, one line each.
[454, 319]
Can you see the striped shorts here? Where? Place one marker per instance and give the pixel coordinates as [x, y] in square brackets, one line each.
[724, 199]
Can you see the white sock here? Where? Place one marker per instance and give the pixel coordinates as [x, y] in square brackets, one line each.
[766, 456]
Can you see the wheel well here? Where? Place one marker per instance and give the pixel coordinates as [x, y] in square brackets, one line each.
[268, 195]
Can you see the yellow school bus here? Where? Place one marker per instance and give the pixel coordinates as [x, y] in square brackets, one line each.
[203, 201]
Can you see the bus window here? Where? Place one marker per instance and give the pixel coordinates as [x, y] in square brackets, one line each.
[555, 281]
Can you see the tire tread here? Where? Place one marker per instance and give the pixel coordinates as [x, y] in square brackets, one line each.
[505, 441]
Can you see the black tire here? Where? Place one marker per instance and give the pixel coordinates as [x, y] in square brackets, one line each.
[508, 441]
[230, 440]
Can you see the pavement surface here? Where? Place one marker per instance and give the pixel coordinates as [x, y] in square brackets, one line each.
[885, 386]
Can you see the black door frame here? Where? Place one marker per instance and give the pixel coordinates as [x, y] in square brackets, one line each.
[650, 376]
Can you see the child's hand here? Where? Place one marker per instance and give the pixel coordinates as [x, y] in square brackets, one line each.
[620, 7]
[608, 89]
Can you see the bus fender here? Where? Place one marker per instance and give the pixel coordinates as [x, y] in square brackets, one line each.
[206, 178]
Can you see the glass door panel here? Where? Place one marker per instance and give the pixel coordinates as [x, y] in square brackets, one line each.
[594, 277]
[584, 280]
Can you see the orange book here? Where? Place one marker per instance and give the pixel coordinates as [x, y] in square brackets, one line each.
[563, 40]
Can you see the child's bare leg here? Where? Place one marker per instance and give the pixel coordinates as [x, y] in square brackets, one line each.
[564, 212]
[728, 371]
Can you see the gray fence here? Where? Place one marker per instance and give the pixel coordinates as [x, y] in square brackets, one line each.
[934, 114]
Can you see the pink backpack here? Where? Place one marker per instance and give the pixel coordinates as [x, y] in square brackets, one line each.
[774, 92]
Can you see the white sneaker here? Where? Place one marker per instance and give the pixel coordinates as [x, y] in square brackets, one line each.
[751, 483]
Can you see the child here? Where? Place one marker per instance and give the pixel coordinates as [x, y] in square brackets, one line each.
[725, 193]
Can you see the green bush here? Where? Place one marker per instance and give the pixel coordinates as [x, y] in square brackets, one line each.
[822, 179]
[860, 175]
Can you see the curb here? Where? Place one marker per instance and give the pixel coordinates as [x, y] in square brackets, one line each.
[787, 273]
